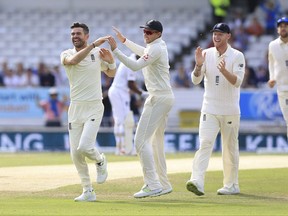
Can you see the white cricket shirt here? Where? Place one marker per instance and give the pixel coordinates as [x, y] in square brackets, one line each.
[123, 75]
[85, 77]
[278, 63]
[154, 63]
[220, 96]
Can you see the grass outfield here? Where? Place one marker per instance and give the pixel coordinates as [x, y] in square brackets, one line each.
[263, 192]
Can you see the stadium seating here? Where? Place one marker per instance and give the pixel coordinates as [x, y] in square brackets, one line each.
[41, 35]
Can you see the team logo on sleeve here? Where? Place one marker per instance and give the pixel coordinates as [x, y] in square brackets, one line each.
[240, 66]
[145, 57]
[92, 58]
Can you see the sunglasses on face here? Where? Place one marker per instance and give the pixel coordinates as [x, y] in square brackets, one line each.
[148, 32]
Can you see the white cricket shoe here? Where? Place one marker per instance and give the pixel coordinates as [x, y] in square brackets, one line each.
[146, 192]
[163, 192]
[102, 173]
[229, 191]
[193, 187]
[86, 196]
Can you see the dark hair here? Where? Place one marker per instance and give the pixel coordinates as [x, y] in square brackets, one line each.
[81, 25]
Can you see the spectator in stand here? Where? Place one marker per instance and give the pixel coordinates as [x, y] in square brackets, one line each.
[1, 80]
[237, 18]
[19, 78]
[262, 76]
[219, 9]
[254, 27]
[2, 72]
[181, 78]
[252, 5]
[47, 79]
[271, 10]
[31, 79]
[9, 78]
[53, 108]
[60, 78]
[249, 80]
[239, 39]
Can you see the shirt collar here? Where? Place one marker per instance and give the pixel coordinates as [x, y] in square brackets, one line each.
[158, 40]
[281, 42]
[228, 50]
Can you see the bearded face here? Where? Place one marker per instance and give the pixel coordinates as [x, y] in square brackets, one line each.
[79, 38]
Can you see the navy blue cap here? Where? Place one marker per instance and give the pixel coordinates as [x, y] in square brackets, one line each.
[221, 27]
[282, 20]
[153, 25]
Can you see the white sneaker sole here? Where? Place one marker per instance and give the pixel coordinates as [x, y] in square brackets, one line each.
[145, 194]
[190, 186]
[227, 193]
[163, 192]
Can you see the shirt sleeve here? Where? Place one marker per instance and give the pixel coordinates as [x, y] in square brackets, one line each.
[270, 63]
[63, 55]
[139, 50]
[197, 80]
[104, 66]
[150, 55]
[239, 69]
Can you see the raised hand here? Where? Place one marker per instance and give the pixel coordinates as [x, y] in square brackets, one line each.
[112, 43]
[119, 35]
[199, 56]
[100, 40]
[106, 55]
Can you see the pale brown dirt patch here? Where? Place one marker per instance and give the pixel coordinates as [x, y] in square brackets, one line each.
[39, 178]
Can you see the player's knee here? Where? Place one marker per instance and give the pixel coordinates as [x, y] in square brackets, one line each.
[206, 143]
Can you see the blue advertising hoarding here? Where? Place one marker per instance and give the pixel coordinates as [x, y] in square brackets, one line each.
[17, 103]
[174, 141]
[260, 105]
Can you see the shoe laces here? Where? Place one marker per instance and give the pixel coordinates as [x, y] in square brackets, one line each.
[100, 167]
[145, 188]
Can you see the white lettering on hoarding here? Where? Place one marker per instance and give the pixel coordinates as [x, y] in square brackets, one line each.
[269, 143]
[185, 142]
[33, 141]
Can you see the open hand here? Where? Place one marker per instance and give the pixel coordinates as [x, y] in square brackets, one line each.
[106, 55]
[112, 43]
[119, 35]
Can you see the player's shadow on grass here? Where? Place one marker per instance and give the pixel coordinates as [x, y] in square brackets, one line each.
[257, 197]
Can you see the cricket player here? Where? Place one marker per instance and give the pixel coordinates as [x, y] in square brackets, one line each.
[222, 69]
[119, 95]
[149, 137]
[278, 66]
[83, 65]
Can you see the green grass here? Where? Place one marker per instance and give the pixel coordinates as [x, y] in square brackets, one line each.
[263, 192]
[57, 158]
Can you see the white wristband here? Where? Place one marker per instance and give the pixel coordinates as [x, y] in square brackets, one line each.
[112, 66]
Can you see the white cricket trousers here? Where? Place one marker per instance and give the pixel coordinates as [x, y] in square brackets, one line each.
[209, 127]
[149, 140]
[283, 102]
[84, 120]
[120, 101]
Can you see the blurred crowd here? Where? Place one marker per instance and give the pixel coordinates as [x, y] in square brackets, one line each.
[246, 25]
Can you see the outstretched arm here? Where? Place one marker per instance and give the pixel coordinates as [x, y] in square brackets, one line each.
[107, 56]
[79, 56]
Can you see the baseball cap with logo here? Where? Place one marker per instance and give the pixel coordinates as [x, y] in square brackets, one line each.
[221, 27]
[282, 20]
[153, 25]
[53, 91]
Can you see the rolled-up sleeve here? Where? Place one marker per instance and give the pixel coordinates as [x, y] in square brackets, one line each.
[150, 55]
[239, 69]
[197, 80]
